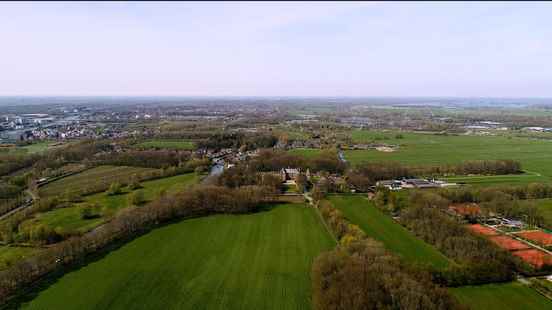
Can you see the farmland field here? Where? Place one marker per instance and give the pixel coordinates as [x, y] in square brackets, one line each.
[418, 148]
[69, 219]
[254, 261]
[507, 296]
[168, 144]
[97, 175]
[383, 228]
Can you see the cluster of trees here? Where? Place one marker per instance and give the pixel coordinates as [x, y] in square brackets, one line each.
[478, 260]
[12, 231]
[198, 201]
[146, 158]
[529, 191]
[366, 175]
[507, 201]
[11, 196]
[263, 169]
[269, 160]
[245, 141]
[10, 163]
[364, 275]
[361, 274]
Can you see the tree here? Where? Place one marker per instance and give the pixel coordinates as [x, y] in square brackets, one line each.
[134, 183]
[317, 193]
[136, 198]
[301, 182]
[90, 211]
[114, 189]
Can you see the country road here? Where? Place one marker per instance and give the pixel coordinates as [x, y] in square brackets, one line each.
[21, 207]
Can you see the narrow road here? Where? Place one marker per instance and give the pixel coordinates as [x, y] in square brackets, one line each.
[21, 207]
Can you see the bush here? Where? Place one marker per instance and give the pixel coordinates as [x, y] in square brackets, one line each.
[90, 212]
[114, 189]
[136, 198]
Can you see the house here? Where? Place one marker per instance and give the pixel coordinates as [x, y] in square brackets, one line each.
[288, 174]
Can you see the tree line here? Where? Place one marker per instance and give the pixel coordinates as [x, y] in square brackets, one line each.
[367, 175]
[145, 158]
[195, 202]
[237, 140]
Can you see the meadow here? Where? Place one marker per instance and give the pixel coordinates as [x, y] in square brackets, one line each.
[167, 144]
[506, 296]
[360, 211]
[253, 261]
[535, 155]
[70, 220]
[91, 177]
[11, 254]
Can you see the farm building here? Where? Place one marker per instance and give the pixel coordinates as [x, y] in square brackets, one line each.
[393, 185]
[413, 183]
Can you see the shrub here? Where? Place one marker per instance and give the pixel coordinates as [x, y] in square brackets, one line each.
[114, 189]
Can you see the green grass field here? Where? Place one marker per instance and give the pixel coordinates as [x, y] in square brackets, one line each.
[10, 254]
[507, 296]
[418, 148]
[491, 180]
[360, 211]
[307, 153]
[69, 219]
[255, 261]
[168, 144]
[96, 175]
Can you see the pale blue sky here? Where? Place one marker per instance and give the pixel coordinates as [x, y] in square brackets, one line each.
[294, 49]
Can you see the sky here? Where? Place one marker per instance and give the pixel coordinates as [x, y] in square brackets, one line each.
[487, 49]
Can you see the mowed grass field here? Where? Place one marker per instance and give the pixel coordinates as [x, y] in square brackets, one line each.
[70, 220]
[167, 144]
[504, 296]
[97, 175]
[360, 211]
[254, 261]
[419, 148]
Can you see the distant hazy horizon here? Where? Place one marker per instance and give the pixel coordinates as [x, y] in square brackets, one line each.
[344, 50]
